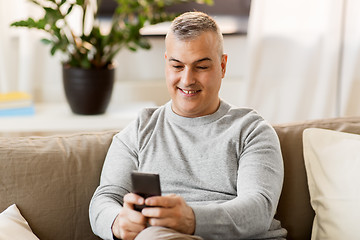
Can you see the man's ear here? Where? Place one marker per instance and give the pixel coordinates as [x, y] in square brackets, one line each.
[223, 64]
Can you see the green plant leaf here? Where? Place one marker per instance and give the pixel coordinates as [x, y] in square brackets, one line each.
[70, 9]
[131, 48]
[52, 15]
[80, 2]
[85, 63]
[46, 41]
[53, 50]
[144, 43]
[30, 23]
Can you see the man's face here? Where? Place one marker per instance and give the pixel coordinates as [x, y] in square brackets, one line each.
[194, 70]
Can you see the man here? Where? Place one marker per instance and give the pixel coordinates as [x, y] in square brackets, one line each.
[220, 167]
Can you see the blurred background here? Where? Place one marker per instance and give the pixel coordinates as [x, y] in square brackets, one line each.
[291, 60]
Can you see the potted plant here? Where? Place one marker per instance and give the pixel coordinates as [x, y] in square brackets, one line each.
[88, 67]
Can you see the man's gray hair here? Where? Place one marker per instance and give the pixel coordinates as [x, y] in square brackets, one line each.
[190, 25]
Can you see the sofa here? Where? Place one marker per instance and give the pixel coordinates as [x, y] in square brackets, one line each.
[51, 179]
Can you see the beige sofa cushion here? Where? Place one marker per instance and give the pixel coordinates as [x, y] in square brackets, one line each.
[14, 226]
[52, 179]
[294, 208]
[332, 162]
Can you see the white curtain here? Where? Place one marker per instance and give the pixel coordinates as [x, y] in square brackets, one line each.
[299, 58]
[350, 74]
[15, 53]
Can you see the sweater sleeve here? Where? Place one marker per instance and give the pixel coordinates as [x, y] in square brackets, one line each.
[107, 200]
[259, 183]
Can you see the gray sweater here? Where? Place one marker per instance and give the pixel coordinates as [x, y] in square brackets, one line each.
[227, 166]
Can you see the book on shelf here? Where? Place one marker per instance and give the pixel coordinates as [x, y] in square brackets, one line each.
[16, 104]
[24, 111]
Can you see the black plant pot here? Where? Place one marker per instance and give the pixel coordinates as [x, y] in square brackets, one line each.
[88, 91]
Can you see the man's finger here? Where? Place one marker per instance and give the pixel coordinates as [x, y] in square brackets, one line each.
[133, 216]
[164, 222]
[163, 201]
[133, 199]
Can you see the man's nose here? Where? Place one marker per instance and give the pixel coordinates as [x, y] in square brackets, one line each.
[188, 77]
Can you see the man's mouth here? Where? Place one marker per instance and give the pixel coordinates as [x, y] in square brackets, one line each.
[189, 92]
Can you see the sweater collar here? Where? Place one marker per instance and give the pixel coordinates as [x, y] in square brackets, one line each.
[172, 116]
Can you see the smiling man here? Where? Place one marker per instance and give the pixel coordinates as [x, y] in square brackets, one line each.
[220, 167]
[195, 66]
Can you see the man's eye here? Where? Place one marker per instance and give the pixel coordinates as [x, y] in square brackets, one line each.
[177, 66]
[202, 67]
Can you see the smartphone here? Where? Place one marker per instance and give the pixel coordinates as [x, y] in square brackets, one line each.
[145, 185]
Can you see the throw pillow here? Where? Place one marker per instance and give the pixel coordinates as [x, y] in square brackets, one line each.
[14, 226]
[332, 162]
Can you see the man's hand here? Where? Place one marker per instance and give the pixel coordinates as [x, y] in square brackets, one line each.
[129, 223]
[170, 211]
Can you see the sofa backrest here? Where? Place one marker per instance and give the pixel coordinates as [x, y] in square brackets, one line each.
[294, 210]
[52, 179]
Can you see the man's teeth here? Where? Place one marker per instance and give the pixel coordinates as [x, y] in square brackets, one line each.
[189, 92]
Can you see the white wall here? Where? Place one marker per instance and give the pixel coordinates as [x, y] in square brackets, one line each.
[140, 75]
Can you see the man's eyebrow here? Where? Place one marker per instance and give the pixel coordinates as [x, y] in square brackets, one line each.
[197, 61]
[174, 60]
[203, 59]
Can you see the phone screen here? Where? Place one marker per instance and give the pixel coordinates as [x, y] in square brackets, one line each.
[145, 185]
